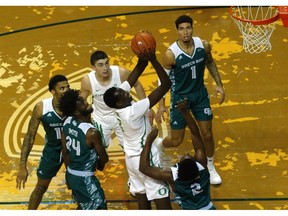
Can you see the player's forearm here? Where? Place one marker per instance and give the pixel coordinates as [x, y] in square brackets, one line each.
[139, 90]
[195, 133]
[163, 77]
[136, 72]
[26, 149]
[212, 68]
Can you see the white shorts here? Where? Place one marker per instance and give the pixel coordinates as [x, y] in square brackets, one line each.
[142, 184]
[106, 126]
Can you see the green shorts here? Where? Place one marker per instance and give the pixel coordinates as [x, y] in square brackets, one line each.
[198, 104]
[50, 163]
[87, 191]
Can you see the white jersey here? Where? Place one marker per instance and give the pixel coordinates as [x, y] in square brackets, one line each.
[100, 108]
[134, 123]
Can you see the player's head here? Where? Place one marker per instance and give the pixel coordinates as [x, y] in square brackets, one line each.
[97, 55]
[117, 98]
[187, 168]
[72, 104]
[55, 80]
[183, 19]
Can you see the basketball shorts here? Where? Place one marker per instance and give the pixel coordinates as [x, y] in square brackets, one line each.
[87, 191]
[106, 126]
[198, 104]
[50, 163]
[142, 184]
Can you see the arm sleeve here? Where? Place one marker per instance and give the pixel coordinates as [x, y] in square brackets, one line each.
[125, 86]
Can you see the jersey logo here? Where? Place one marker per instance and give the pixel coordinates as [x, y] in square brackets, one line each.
[208, 111]
[49, 115]
[74, 123]
[175, 123]
[180, 57]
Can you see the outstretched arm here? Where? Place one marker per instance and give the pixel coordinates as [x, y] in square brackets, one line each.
[168, 63]
[146, 168]
[197, 141]
[157, 94]
[137, 71]
[28, 144]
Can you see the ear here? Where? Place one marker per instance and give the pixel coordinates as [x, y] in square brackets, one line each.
[53, 92]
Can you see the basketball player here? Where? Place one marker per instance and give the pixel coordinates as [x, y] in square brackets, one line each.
[102, 77]
[132, 116]
[185, 62]
[48, 113]
[83, 152]
[189, 178]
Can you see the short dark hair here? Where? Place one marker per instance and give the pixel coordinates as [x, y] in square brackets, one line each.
[68, 102]
[183, 19]
[55, 79]
[97, 55]
[187, 170]
[110, 97]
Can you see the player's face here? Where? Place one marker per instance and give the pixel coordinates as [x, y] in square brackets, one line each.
[185, 31]
[102, 67]
[60, 89]
[83, 107]
[123, 97]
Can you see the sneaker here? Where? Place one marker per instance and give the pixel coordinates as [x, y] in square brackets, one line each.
[215, 178]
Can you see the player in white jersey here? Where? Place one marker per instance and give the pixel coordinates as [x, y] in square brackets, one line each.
[102, 77]
[132, 117]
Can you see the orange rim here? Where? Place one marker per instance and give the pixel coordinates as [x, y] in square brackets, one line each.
[256, 22]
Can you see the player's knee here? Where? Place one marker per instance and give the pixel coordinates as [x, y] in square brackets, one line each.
[207, 135]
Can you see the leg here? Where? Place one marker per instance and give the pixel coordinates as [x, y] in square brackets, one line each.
[207, 135]
[36, 196]
[143, 203]
[175, 139]
[163, 204]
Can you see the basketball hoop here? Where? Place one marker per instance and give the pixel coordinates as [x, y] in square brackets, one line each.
[256, 23]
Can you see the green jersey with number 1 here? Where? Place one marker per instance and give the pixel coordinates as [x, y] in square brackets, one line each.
[188, 72]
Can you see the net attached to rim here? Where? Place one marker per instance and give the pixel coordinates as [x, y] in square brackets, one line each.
[256, 23]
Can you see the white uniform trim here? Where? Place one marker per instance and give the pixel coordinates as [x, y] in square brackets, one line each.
[79, 173]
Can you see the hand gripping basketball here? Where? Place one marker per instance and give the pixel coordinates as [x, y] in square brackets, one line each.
[143, 43]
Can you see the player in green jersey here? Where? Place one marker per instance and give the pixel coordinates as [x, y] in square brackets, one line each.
[48, 113]
[185, 62]
[83, 152]
[189, 178]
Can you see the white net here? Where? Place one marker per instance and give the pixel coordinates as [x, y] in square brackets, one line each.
[256, 33]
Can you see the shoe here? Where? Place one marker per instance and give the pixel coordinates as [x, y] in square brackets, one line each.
[215, 178]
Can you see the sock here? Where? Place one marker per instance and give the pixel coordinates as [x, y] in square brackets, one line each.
[210, 160]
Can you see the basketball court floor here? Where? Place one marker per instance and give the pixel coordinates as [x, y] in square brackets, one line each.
[250, 127]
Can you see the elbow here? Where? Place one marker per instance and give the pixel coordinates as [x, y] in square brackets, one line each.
[106, 159]
[142, 168]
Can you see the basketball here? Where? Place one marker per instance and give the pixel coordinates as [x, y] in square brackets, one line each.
[142, 43]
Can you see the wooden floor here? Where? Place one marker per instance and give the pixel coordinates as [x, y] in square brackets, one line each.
[250, 127]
